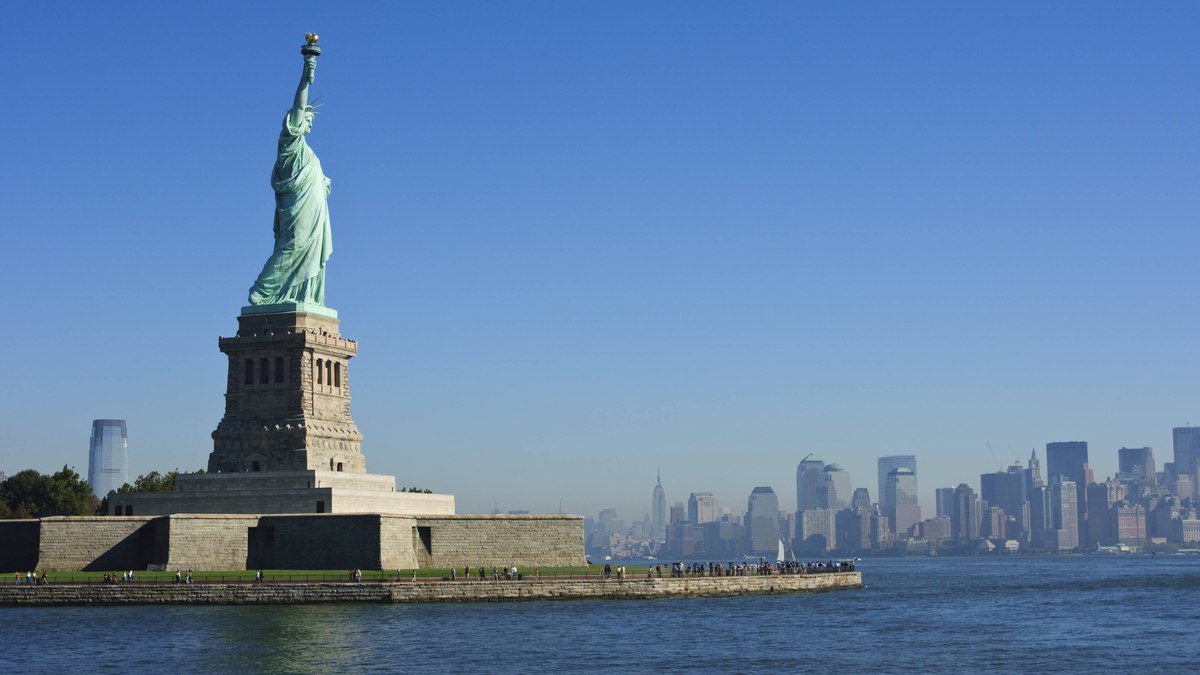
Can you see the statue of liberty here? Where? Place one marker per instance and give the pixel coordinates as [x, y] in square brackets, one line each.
[295, 272]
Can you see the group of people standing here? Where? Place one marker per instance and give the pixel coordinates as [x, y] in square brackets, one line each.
[508, 573]
[608, 571]
[30, 578]
[126, 577]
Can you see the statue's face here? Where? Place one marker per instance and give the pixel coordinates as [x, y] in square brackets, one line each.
[308, 122]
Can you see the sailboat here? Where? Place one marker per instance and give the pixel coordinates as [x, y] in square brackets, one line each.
[781, 557]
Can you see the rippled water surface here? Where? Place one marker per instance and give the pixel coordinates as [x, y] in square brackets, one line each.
[1070, 613]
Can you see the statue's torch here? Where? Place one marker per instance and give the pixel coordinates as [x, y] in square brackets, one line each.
[310, 47]
[311, 50]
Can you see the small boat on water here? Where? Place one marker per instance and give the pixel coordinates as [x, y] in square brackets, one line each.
[1119, 549]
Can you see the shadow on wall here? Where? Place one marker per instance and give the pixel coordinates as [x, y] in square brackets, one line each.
[21, 539]
[142, 548]
[315, 542]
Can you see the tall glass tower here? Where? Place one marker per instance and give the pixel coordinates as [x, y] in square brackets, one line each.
[1187, 449]
[835, 491]
[900, 499]
[108, 459]
[809, 477]
[886, 465]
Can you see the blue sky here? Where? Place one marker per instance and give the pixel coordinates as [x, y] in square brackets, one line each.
[576, 241]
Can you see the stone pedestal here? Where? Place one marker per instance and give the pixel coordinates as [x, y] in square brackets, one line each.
[287, 398]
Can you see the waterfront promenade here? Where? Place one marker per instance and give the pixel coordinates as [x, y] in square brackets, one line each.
[418, 591]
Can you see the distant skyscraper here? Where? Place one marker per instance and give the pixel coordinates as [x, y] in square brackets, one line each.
[1069, 459]
[1041, 517]
[881, 531]
[108, 458]
[936, 528]
[1102, 498]
[1033, 473]
[901, 492]
[861, 499]
[606, 522]
[817, 531]
[965, 516]
[1136, 463]
[763, 521]
[1184, 485]
[853, 528]
[658, 511]
[835, 491]
[1166, 519]
[1187, 450]
[992, 523]
[885, 465]
[809, 477]
[702, 508]
[1130, 522]
[1064, 502]
[943, 501]
[1006, 490]
[677, 514]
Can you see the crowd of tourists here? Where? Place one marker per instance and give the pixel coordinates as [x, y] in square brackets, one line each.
[762, 567]
[817, 567]
[677, 570]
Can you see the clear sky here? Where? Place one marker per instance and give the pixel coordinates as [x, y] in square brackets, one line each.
[577, 241]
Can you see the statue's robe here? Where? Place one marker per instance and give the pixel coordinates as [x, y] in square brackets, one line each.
[295, 272]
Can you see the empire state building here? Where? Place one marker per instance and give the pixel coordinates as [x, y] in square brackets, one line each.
[658, 510]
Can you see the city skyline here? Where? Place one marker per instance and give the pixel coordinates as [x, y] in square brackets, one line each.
[1015, 510]
[988, 481]
[583, 242]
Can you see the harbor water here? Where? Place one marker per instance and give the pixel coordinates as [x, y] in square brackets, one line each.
[929, 615]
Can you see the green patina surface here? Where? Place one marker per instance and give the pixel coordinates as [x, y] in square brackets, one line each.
[290, 308]
[295, 272]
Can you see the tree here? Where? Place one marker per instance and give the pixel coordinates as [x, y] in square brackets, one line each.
[153, 482]
[149, 482]
[29, 494]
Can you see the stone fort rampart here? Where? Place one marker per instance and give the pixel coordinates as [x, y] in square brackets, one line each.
[302, 541]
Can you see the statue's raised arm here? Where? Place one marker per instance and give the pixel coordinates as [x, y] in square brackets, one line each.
[295, 272]
[306, 78]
